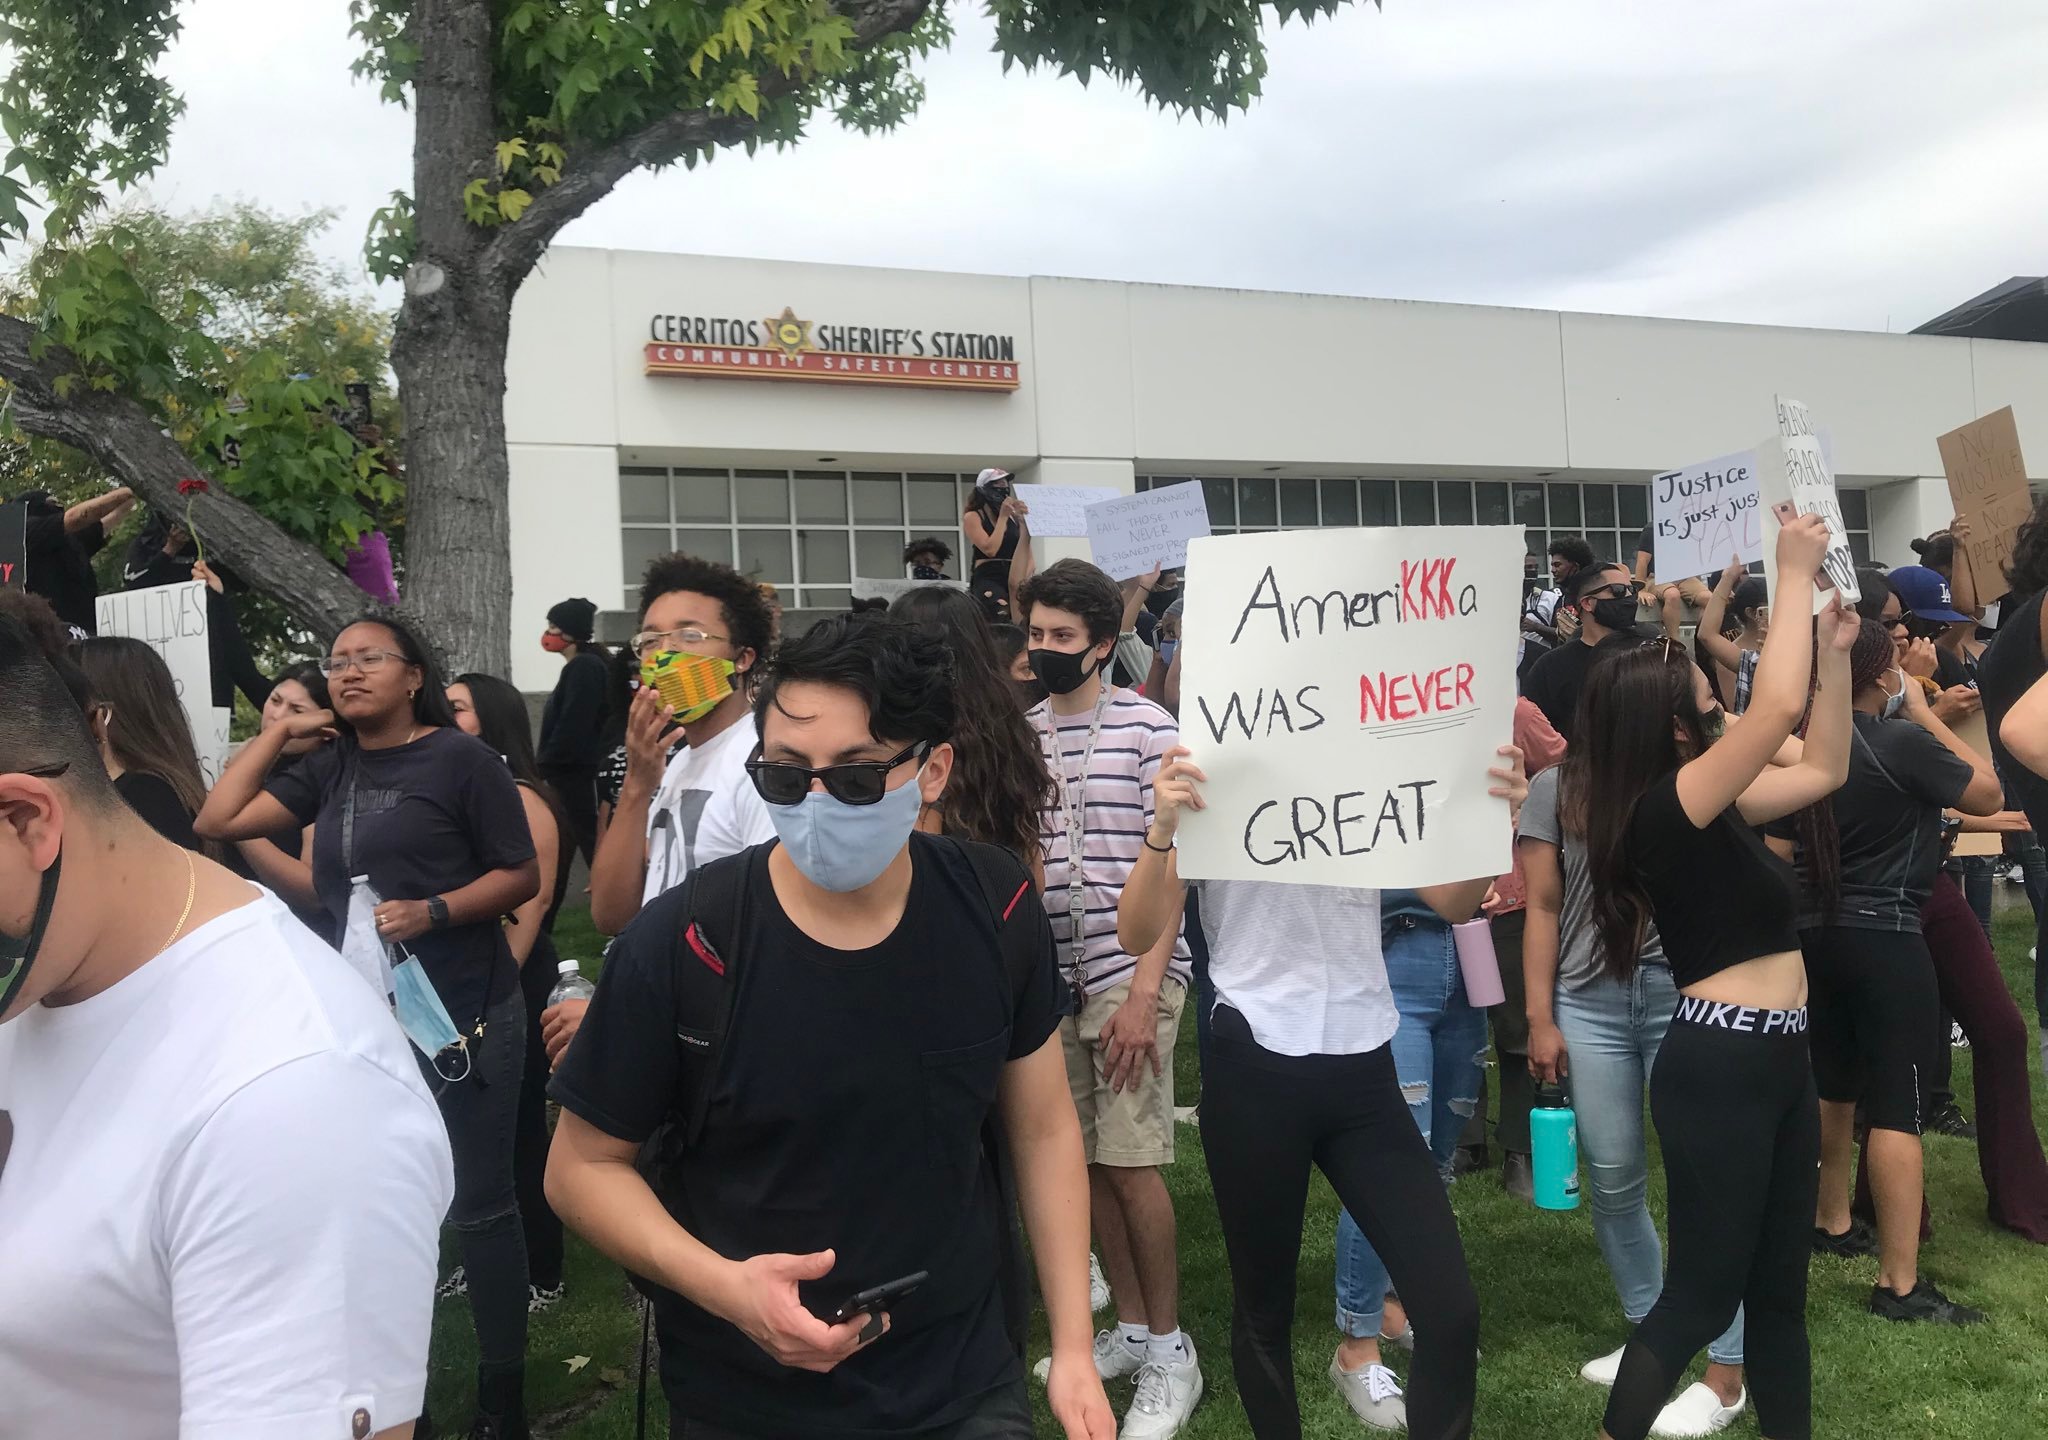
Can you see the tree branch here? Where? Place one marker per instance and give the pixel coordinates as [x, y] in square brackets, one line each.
[593, 173]
[129, 444]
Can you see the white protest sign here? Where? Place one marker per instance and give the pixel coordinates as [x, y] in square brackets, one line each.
[1704, 514]
[214, 743]
[1132, 533]
[1793, 469]
[1059, 511]
[1345, 691]
[890, 589]
[172, 618]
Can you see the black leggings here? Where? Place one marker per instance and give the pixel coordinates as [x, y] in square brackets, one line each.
[1265, 1119]
[1740, 1125]
[537, 979]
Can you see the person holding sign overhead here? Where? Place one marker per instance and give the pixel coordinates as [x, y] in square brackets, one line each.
[992, 523]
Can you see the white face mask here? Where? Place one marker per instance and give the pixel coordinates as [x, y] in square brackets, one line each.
[1895, 703]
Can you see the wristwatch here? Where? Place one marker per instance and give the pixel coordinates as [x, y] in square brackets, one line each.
[437, 913]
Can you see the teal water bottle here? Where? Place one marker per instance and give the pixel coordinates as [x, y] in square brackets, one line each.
[1554, 1147]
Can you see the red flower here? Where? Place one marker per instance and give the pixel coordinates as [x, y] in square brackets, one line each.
[192, 487]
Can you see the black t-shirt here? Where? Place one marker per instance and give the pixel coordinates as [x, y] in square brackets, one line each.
[848, 1113]
[430, 817]
[60, 564]
[1951, 670]
[1889, 816]
[2007, 669]
[1721, 897]
[572, 727]
[1555, 680]
[152, 797]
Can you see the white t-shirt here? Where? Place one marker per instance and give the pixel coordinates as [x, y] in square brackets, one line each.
[1301, 963]
[707, 808]
[220, 1215]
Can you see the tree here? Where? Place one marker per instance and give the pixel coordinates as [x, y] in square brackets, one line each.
[527, 113]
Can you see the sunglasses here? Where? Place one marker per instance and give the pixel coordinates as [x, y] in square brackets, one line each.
[864, 782]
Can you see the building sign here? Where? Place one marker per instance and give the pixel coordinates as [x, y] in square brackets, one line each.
[785, 347]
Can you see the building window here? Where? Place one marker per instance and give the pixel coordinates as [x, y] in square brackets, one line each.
[809, 532]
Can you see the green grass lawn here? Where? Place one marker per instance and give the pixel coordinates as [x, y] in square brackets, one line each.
[1547, 1306]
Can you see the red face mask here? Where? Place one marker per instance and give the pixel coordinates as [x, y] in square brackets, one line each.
[555, 643]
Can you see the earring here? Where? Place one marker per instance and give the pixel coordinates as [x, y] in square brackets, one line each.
[413, 694]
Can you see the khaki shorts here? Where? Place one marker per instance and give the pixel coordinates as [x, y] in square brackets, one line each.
[1131, 1128]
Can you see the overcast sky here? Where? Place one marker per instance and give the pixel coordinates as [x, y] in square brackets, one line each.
[1797, 162]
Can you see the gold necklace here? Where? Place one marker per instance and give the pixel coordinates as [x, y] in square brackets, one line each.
[191, 893]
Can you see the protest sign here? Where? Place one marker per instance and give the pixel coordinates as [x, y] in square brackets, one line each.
[889, 589]
[1132, 533]
[14, 545]
[1975, 732]
[172, 618]
[1793, 469]
[1704, 514]
[1058, 511]
[1345, 691]
[214, 743]
[1987, 479]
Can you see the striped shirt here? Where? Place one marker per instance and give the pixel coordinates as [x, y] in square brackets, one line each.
[1117, 811]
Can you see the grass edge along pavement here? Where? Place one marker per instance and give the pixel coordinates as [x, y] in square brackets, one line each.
[1546, 1307]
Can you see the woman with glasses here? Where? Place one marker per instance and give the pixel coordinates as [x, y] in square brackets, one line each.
[433, 819]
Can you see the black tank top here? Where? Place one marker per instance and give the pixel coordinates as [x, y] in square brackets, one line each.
[993, 519]
[1721, 897]
[2007, 669]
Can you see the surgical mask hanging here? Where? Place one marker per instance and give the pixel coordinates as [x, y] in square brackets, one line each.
[424, 1018]
[841, 847]
[1893, 704]
[18, 957]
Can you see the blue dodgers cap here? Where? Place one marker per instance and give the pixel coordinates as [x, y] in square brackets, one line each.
[1926, 594]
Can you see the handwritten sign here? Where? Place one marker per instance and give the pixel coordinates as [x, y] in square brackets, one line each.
[213, 743]
[14, 545]
[889, 590]
[1345, 692]
[1132, 533]
[1793, 469]
[1060, 511]
[1987, 479]
[172, 618]
[1705, 513]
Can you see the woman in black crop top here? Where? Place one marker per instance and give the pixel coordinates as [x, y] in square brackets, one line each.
[1667, 804]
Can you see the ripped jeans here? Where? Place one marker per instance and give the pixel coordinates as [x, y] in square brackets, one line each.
[1438, 1051]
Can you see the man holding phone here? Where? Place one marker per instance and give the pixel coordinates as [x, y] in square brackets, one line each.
[841, 1270]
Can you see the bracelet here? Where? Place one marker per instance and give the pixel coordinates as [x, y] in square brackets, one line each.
[1166, 849]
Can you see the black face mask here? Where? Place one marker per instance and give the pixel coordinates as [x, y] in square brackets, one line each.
[1063, 673]
[1615, 613]
[18, 957]
[1161, 600]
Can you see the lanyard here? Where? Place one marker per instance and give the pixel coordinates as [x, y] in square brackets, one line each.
[1073, 809]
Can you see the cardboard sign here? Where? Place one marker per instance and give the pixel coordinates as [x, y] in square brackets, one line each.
[1345, 691]
[172, 618]
[1793, 469]
[889, 589]
[1059, 511]
[1704, 514]
[1987, 479]
[1132, 533]
[1975, 732]
[14, 545]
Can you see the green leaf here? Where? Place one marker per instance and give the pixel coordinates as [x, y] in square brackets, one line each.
[512, 203]
[508, 151]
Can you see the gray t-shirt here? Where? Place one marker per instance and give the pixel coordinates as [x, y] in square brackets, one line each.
[1577, 965]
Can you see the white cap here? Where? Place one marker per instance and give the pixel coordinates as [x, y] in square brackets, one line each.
[567, 967]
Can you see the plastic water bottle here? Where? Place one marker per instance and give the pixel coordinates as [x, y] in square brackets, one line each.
[1554, 1146]
[572, 986]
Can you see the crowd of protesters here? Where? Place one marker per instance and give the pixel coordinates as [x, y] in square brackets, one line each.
[902, 954]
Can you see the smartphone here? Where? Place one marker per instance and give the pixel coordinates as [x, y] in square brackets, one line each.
[869, 1302]
[1786, 515]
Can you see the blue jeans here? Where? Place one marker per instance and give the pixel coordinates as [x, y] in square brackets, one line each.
[1438, 1049]
[1611, 1034]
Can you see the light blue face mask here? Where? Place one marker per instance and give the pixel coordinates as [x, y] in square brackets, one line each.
[424, 1018]
[1166, 649]
[1893, 704]
[841, 847]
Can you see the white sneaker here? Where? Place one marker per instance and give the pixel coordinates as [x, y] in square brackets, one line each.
[1373, 1394]
[1115, 1360]
[1697, 1411]
[1167, 1395]
[1098, 1287]
[1603, 1370]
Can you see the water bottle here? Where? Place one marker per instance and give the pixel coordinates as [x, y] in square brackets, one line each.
[1554, 1146]
[572, 986]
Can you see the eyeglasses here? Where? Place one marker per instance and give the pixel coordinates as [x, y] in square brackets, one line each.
[369, 662]
[653, 642]
[862, 783]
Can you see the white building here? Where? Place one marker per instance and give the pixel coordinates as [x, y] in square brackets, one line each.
[660, 402]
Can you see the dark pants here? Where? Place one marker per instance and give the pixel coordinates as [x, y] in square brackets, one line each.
[1266, 1119]
[530, 1139]
[481, 1113]
[1003, 1414]
[1510, 1022]
[1205, 992]
[1739, 1122]
[576, 787]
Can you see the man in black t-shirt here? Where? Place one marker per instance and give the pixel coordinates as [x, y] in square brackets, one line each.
[60, 544]
[1607, 611]
[878, 1024]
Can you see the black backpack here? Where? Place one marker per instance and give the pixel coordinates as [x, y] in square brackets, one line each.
[709, 991]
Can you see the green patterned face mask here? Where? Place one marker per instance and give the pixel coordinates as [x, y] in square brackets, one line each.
[18, 957]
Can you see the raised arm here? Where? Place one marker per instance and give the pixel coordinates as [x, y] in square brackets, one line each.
[1153, 895]
[238, 807]
[1024, 561]
[88, 513]
[1963, 580]
[1714, 615]
[1823, 763]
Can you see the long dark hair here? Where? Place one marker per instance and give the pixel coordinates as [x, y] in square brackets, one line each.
[430, 704]
[506, 727]
[1000, 783]
[2027, 571]
[1814, 828]
[148, 731]
[1621, 746]
[309, 679]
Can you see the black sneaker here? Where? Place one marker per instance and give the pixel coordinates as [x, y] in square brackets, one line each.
[1950, 1120]
[1922, 1302]
[1854, 1243]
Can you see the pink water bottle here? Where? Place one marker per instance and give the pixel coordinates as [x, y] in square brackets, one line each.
[1476, 959]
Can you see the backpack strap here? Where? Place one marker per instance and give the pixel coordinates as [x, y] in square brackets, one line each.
[707, 984]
